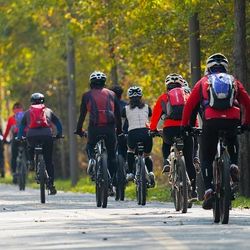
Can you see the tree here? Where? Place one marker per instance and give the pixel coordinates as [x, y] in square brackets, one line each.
[240, 64]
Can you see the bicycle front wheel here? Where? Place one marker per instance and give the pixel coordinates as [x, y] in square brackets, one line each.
[175, 187]
[216, 181]
[42, 178]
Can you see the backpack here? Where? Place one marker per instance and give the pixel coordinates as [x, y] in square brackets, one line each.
[173, 108]
[38, 117]
[18, 118]
[221, 91]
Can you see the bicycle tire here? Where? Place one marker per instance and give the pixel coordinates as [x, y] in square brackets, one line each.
[137, 181]
[225, 200]
[184, 185]
[175, 188]
[22, 176]
[216, 203]
[143, 182]
[200, 186]
[120, 178]
[98, 187]
[105, 180]
[42, 178]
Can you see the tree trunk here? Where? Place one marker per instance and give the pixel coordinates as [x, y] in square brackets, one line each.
[194, 48]
[240, 72]
[72, 111]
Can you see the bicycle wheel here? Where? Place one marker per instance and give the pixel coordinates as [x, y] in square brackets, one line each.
[22, 175]
[98, 184]
[175, 188]
[143, 182]
[183, 184]
[225, 200]
[105, 180]
[200, 185]
[42, 177]
[120, 179]
[216, 203]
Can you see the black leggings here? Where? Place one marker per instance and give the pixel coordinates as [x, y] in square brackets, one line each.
[168, 134]
[110, 143]
[209, 140]
[47, 143]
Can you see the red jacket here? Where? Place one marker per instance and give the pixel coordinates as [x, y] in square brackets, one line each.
[200, 93]
[157, 112]
[10, 124]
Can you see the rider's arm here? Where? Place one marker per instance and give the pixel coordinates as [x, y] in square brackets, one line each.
[22, 125]
[149, 112]
[56, 121]
[243, 98]
[83, 112]
[191, 104]
[10, 123]
[117, 116]
[156, 115]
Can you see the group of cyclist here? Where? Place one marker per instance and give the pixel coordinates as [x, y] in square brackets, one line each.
[218, 97]
[219, 108]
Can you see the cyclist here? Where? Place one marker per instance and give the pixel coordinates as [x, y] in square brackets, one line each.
[38, 119]
[12, 128]
[137, 114]
[221, 113]
[122, 144]
[104, 119]
[170, 105]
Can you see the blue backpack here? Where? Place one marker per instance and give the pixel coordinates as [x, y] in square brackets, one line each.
[221, 91]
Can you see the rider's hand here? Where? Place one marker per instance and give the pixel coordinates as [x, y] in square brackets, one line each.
[81, 133]
[153, 132]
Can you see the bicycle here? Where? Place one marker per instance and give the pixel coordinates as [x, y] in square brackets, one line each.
[21, 165]
[142, 179]
[178, 177]
[221, 180]
[42, 176]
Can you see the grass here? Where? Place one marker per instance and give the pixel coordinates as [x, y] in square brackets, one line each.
[161, 192]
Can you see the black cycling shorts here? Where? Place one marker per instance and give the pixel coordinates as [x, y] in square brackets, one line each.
[140, 135]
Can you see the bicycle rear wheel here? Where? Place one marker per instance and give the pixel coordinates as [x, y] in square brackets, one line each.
[183, 184]
[175, 188]
[216, 203]
[120, 178]
[105, 181]
[42, 178]
[225, 200]
[143, 182]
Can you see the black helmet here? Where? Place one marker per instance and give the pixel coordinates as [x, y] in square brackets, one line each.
[216, 63]
[37, 98]
[118, 90]
[97, 78]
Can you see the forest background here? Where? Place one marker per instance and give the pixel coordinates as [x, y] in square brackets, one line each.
[52, 46]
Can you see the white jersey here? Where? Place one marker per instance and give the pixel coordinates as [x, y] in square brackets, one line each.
[137, 118]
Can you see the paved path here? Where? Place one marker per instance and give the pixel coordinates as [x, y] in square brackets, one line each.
[72, 221]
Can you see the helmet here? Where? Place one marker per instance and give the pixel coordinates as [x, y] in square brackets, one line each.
[174, 80]
[186, 87]
[216, 62]
[98, 78]
[37, 98]
[134, 91]
[117, 89]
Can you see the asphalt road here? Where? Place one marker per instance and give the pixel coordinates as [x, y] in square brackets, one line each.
[72, 221]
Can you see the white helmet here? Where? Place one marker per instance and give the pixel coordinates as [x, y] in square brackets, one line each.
[186, 87]
[174, 79]
[215, 62]
[97, 75]
[134, 91]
